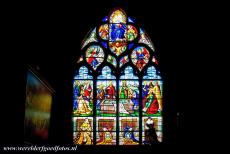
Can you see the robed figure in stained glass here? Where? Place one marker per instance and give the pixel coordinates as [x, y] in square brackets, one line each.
[100, 96]
[83, 99]
[92, 60]
[150, 102]
[129, 138]
[84, 137]
[124, 90]
[110, 91]
[150, 132]
[157, 92]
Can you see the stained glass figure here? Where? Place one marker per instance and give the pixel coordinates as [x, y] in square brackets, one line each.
[123, 60]
[106, 93]
[104, 31]
[91, 38]
[140, 57]
[83, 130]
[106, 74]
[152, 130]
[145, 39]
[83, 93]
[117, 32]
[106, 130]
[94, 56]
[83, 97]
[152, 97]
[131, 33]
[112, 60]
[129, 131]
[128, 94]
[118, 16]
[128, 98]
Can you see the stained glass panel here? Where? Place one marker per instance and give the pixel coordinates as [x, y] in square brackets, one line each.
[152, 130]
[117, 32]
[131, 33]
[123, 61]
[128, 98]
[83, 130]
[112, 60]
[83, 97]
[152, 97]
[106, 98]
[106, 93]
[129, 131]
[118, 17]
[106, 74]
[104, 31]
[106, 130]
[145, 39]
[140, 57]
[152, 73]
[91, 38]
[118, 47]
[94, 56]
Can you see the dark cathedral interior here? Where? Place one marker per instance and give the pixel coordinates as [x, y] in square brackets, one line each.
[48, 38]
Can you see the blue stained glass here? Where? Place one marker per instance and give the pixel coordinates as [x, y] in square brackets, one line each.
[130, 45]
[104, 44]
[151, 73]
[105, 19]
[106, 74]
[117, 32]
[130, 20]
[128, 74]
[83, 74]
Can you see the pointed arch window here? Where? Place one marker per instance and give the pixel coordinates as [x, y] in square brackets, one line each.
[117, 86]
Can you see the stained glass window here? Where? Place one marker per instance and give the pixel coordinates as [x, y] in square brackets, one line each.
[117, 87]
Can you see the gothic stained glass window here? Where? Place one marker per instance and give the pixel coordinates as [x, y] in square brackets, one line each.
[117, 88]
